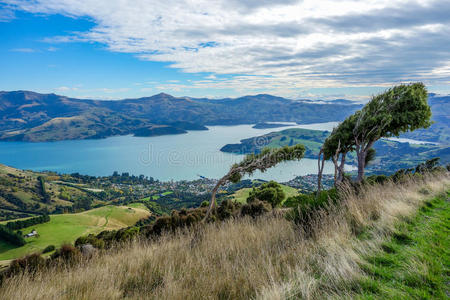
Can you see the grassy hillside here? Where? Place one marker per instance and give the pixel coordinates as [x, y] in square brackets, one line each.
[242, 194]
[21, 193]
[272, 258]
[414, 263]
[68, 227]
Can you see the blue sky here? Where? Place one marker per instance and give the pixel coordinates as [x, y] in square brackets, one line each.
[299, 49]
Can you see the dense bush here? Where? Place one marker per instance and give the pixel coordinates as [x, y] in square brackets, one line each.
[227, 209]
[255, 208]
[42, 189]
[306, 206]
[10, 236]
[270, 192]
[30, 263]
[19, 224]
[178, 219]
[90, 239]
[67, 253]
[48, 249]
[377, 179]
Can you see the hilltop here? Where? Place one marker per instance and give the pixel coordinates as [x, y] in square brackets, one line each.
[351, 249]
[30, 116]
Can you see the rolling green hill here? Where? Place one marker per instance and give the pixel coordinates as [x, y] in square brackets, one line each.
[22, 193]
[68, 227]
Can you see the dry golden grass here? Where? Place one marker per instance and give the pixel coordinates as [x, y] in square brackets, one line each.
[267, 258]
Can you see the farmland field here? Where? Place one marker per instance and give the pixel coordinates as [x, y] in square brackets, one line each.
[68, 227]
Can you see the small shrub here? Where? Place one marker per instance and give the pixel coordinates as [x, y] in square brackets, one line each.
[377, 179]
[270, 192]
[227, 209]
[67, 253]
[90, 239]
[48, 249]
[30, 263]
[308, 205]
[255, 208]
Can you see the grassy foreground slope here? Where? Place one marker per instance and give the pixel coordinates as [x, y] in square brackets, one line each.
[415, 262]
[263, 258]
[66, 228]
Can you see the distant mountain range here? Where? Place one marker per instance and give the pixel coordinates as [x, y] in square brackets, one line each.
[30, 116]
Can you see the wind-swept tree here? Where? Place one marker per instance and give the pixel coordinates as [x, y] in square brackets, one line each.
[400, 109]
[266, 159]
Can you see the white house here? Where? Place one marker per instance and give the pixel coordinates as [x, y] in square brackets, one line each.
[33, 233]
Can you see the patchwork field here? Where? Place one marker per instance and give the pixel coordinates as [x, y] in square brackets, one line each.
[68, 227]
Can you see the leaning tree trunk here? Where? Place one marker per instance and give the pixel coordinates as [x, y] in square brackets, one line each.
[335, 159]
[212, 204]
[336, 168]
[340, 176]
[361, 155]
[320, 164]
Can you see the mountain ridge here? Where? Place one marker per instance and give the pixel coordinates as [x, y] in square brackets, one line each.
[25, 115]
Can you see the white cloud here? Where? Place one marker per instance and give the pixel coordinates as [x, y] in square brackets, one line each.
[281, 46]
[23, 50]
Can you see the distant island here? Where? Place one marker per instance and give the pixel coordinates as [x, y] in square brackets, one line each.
[390, 155]
[173, 128]
[269, 125]
[156, 130]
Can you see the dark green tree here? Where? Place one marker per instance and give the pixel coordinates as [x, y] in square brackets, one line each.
[400, 109]
[270, 192]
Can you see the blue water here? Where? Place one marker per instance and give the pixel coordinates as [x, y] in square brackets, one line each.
[169, 157]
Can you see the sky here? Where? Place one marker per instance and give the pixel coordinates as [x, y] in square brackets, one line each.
[114, 49]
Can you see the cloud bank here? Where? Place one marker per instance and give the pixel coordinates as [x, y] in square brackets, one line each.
[286, 45]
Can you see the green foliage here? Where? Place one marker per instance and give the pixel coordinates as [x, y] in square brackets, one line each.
[67, 253]
[342, 137]
[256, 208]
[227, 209]
[307, 206]
[429, 166]
[44, 194]
[370, 156]
[377, 179]
[90, 239]
[270, 192]
[30, 263]
[19, 224]
[49, 248]
[12, 237]
[400, 109]
[265, 160]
